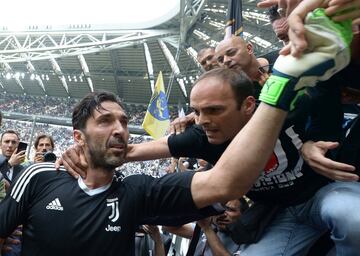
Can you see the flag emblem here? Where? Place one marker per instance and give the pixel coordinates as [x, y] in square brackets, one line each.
[157, 118]
[158, 106]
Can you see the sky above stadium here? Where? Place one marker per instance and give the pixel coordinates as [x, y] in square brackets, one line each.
[125, 14]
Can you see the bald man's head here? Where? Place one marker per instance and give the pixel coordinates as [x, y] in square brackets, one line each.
[234, 53]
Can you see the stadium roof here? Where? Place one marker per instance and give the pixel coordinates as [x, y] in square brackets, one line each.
[72, 58]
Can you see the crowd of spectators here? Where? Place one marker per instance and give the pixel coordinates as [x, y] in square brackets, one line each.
[37, 105]
[62, 107]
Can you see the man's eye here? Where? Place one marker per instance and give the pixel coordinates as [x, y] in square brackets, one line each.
[231, 53]
[104, 121]
[214, 110]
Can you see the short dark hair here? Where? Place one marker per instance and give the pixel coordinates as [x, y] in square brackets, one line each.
[240, 83]
[11, 132]
[42, 136]
[1, 118]
[202, 50]
[92, 101]
[273, 13]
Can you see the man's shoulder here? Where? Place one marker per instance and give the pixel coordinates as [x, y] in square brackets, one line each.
[196, 132]
[35, 177]
[136, 179]
[146, 181]
[39, 171]
[45, 166]
[192, 134]
[133, 186]
[193, 129]
[2, 159]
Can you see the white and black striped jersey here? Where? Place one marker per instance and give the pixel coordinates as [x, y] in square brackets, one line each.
[61, 216]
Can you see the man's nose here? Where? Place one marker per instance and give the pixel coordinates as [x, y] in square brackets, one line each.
[202, 119]
[227, 61]
[119, 128]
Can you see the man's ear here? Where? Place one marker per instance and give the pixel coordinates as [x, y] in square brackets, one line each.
[249, 48]
[249, 105]
[79, 137]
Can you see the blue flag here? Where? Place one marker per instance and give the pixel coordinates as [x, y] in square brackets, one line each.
[234, 22]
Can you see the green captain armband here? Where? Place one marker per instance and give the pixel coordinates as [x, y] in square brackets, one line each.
[272, 89]
[279, 92]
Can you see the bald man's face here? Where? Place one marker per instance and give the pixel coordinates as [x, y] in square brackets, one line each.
[207, 59]
[234, 53]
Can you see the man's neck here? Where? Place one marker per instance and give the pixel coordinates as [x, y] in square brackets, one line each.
[253, 71]
[98, 177]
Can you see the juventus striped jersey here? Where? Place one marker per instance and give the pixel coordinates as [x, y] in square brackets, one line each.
[61, 216]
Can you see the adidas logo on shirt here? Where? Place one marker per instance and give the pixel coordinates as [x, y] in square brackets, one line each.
[55, 205]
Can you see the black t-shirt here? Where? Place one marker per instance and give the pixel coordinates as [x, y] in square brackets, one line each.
[286, 178]
[194, 143]
[61, 216]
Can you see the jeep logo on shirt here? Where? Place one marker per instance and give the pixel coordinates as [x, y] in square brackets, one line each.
[113, 228]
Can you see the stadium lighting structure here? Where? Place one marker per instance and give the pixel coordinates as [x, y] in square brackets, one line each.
[37, 14]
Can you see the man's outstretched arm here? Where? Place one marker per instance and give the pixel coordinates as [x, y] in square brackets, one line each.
[75, 162]
[148, 150]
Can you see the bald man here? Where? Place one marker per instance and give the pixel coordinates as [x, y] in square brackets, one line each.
[237, 54]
